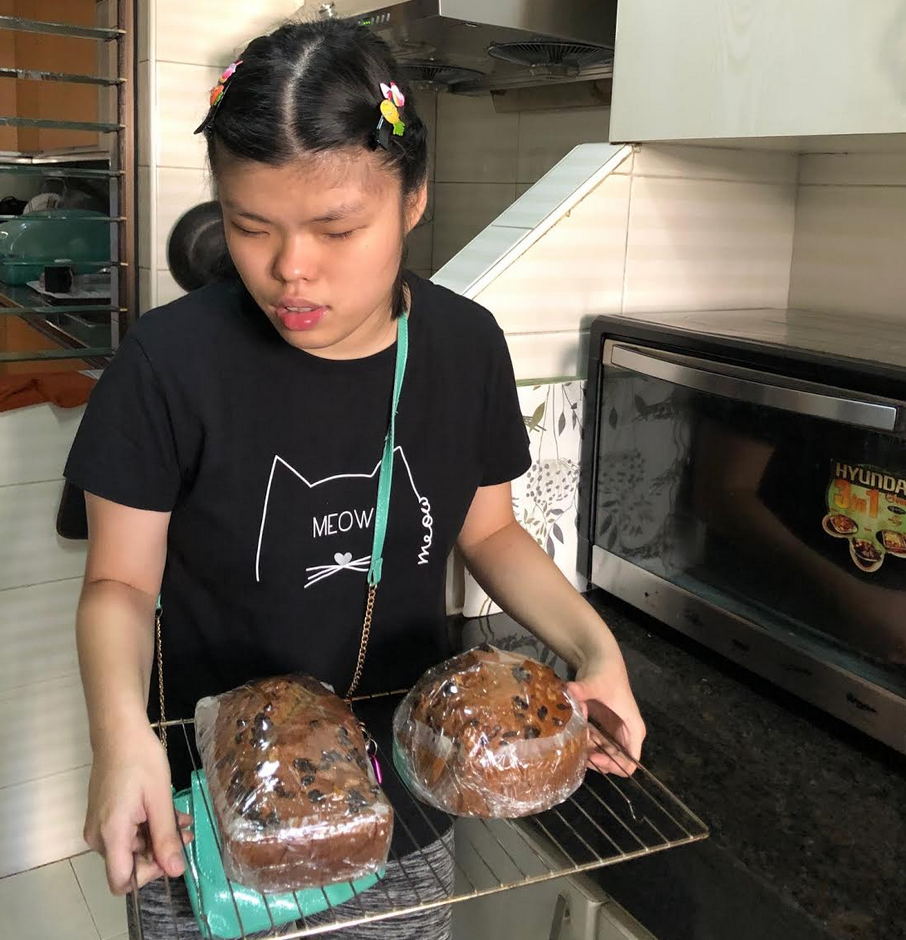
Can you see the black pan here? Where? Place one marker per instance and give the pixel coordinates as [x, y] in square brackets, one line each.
[197, 251]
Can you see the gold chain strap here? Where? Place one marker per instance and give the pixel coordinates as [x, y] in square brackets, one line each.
[363, 646]
[356, 677]
[161, 728]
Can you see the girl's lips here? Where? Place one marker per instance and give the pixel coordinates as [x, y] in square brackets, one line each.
[299, 320]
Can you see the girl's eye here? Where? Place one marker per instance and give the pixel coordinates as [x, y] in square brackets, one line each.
[340, 235]
[246, 231]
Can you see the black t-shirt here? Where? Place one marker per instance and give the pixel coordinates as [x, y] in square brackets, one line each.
[267, 458]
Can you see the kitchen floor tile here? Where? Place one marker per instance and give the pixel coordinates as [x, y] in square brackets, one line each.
[107, 911]
[41, 822]
[38, 632]
[45, 902]
[43, 730]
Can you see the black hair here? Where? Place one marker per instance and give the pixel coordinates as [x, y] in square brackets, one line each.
[314, 87]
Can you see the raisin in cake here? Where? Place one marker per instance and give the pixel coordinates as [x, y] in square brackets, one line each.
[491, 733]
[292, 788]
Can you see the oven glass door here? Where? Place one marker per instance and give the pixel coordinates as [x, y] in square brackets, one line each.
[781, 501]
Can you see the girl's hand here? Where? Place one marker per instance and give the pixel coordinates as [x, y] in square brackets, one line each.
[602, 687]
[131, 819]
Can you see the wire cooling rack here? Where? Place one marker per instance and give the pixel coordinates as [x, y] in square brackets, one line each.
[609, 819]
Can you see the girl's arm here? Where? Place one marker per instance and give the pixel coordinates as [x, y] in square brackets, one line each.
[519, 575]
[130, 778]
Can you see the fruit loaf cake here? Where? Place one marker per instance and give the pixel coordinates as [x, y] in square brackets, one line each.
[292, 788]
[491, 733]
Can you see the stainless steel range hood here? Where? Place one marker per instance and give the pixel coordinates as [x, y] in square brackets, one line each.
[485, 45]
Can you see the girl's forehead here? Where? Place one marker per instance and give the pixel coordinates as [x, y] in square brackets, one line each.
[311, 181]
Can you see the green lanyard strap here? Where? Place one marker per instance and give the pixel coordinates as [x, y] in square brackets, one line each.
[382, 509]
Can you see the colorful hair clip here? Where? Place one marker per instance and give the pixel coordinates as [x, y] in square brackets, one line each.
[392, 93]
[217, 93]
[390, 119]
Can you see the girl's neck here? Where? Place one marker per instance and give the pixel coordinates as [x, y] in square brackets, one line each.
[374, 335]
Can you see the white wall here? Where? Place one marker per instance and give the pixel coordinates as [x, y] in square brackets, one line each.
[183, 49]
[43, 726]
[486, 159]
[851, 235]
[673, 228]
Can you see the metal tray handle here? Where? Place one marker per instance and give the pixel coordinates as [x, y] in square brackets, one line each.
[759, 388]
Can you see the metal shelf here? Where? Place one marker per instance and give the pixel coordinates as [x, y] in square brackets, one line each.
[36, 75]
[99, 126]
[22, 25]
[59, 308]
[24, 169]
[51, 219]
[109, 161]
[608, 820]
[104, 352]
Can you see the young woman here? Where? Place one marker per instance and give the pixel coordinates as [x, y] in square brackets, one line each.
[232, 450]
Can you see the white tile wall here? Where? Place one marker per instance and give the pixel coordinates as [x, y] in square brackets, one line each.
[143, 23]
[574, 270]
[146, 206]
[487, 248]
[427, 109]
[30, 551]
[849, 248]
[183, 49]
[545, 136]
[34, 442]
[209, 32]
[177, 191]
[41, 821]
[573, 171]
[147, 289]
[548, 355]
[38, 624]
[462, 210]
[853, 169]
[167, 288]
[677, 229]
[144, 111]
[696, 243]
[50, 716]
[475, 144]
[182, 97]
[421, 247]
[43, 738]
[749, 166]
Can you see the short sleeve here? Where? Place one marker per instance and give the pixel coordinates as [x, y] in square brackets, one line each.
[506, 441]
[124, 449]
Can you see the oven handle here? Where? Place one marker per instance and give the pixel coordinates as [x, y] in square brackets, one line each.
[759, 388]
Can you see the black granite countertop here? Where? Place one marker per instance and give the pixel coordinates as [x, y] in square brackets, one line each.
[807, 816]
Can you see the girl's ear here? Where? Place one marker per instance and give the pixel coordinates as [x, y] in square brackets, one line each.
[415, 206]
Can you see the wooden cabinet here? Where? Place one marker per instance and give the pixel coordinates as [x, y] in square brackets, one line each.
[17, 336]
[702, 70]
[43, 52]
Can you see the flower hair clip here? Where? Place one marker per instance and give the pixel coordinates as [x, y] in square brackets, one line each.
[217, 93]
[390, 120]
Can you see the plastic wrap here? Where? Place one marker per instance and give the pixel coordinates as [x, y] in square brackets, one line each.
[292, 788]
[490, 733]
